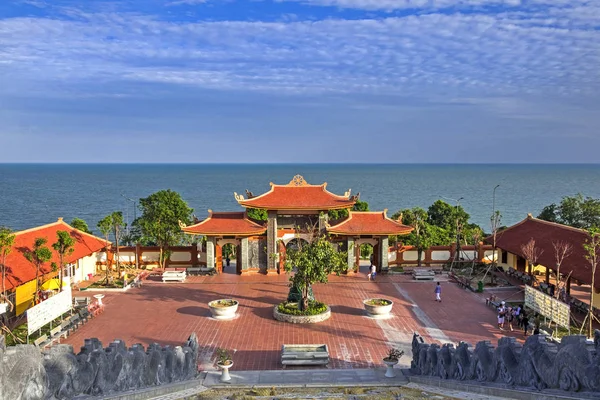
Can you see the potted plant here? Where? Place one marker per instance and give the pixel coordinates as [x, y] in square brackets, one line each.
[392, 359]
[224, 362]
[378, 308]
[223, 308]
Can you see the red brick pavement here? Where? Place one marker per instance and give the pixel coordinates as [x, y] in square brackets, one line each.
[169, 313]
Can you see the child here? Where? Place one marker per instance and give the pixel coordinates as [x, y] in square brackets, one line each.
[438, 292]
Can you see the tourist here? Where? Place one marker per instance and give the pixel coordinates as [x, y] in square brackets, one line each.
[501, 314]
[510, 315]
[372, 272]
[524, 322]
[438, 292]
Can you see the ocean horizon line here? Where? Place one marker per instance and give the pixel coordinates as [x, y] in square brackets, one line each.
[299, 163]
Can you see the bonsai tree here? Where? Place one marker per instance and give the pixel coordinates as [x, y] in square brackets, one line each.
[64, 246]
[38, 255]
[224, 357]
[312, 261]
[394, 355]
[7, 240]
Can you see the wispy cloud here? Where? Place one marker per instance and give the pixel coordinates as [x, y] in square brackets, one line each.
[551, 51]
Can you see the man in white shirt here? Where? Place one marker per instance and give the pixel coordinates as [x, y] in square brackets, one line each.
[501, 314]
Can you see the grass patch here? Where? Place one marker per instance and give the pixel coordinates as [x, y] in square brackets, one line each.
[314, 308]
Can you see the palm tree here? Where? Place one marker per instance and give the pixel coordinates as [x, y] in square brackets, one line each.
[7, 240]
[64, 247]
[39, 255]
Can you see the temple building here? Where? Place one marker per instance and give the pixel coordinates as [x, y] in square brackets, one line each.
[290, 208]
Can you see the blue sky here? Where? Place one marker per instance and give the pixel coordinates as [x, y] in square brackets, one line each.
[299, 81]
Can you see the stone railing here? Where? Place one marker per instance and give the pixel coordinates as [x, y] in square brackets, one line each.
[573, 365]
[28, 374]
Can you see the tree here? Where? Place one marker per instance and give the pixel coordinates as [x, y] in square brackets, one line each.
[7, 240]
[38, 255]
[446, 216]
[159, 223]
[417, 218]
[576, 211]
[105, 226]
[64, 246]
[592, 250]
[495, 225]
[531, 253]
[257, 214]
[312, 261]
[81, 225]
[562, 250]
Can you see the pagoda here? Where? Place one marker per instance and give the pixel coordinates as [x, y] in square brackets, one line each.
[261, 245]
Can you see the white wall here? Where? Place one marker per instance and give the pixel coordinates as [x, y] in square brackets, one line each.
[181, 256]
[440, 255]
[411, 255]
[86, 265]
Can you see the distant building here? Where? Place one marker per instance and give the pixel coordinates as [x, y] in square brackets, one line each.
[20, 277]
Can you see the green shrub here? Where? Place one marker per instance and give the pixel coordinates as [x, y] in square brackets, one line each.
[314, 308]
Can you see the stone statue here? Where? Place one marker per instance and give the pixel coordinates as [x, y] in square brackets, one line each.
[573, 365]
[28, 374]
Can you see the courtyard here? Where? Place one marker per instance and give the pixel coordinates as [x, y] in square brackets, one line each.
[169, 313]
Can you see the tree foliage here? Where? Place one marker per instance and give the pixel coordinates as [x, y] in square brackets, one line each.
[7, 240]
[312, 261]
[257, 214]
[64, 246]
[159, 223]
[576, 211]
[81, 225]
[336, 215]
[38, 255]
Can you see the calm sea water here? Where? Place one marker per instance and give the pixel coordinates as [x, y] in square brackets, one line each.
[36, 194]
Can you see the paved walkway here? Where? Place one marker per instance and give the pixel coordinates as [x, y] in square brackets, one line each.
[169, 313]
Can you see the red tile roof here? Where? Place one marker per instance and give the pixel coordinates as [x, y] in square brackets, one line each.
[20, 270]
[226, 223]
[369, 223]
[298, 195]
[545, 233]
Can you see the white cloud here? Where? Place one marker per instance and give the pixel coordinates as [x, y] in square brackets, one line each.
[185, 2]
[551, 51]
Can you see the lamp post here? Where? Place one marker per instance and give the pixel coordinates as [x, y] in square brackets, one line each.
[128, 225]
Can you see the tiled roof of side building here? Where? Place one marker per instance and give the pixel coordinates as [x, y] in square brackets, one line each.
[298, 195]
[545, 234]
[226, 223]
[20, 270]
[369, 223]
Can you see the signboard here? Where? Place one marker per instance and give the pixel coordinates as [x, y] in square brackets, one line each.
[49, 310]
[548, 306]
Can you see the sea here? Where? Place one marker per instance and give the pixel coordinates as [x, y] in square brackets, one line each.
[37, 194]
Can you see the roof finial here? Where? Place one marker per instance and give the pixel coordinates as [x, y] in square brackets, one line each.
[529, 216]
[60, 219]
[298, 180]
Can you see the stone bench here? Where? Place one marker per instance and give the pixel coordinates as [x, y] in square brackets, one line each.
[42, 341]
[304, 354]
[423, 275]
[178, 276]
[194, 270]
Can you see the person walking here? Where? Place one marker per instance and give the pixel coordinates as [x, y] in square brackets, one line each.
[501, 315]
[525, 322]
[438, 292]
[372, 272]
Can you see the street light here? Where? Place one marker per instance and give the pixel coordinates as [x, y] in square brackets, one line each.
[494, 200]
[137, 262]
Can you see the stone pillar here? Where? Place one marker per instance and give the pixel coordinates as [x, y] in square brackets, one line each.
[210, 252]
[350, 248]
[383, 253]
[244, 256]
[271, 239]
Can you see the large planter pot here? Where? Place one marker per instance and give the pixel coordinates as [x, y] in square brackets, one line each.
[380, 310]
[389, 372]
[223, 309]
[225, 371]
